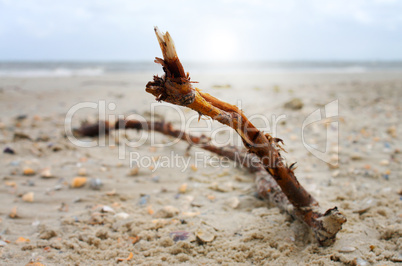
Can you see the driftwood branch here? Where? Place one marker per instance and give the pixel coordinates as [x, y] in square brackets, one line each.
[175, 87]
[267, 188]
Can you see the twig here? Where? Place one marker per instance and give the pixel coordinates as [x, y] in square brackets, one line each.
[175, 87]
[266, 186]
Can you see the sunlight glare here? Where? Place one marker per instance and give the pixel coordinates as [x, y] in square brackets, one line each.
[221, 46]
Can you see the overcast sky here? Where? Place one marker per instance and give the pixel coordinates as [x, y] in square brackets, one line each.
[202, 30]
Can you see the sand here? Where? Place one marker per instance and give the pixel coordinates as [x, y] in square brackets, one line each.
[157, 213]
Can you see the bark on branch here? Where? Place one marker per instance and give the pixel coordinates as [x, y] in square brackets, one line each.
[175, 87]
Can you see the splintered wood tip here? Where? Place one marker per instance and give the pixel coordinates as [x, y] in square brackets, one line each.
[166, 43]
[159, 34]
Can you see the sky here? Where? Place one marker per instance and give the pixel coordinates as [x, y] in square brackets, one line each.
[219, 30]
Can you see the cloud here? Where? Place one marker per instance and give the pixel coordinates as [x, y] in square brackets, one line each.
[262, 28]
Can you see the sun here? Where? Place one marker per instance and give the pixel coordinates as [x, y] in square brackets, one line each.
[221, 46]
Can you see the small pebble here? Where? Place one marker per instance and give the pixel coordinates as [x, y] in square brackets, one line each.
[2, 243]
[121, 215]
[35, 223]
[82, 172]
[233, 202]
[78, 182]
[347, 249]
[134, 171]
[15, 163]
[387, 172]
[365, 206]
[387, 147]
[46, 173]
[111, 193]
[56, 148]
[21, 117]
[156, 179]
[179, 235]
[77, 199]
[294, 104]
[392, 131]
[150, 210]
[356, 156]
[190, 214]
[20, 136]
[335, 173]
[63, 207]
[384, 162]
[183, 188]
[204, 236]
[13, 213]
[334, 158]
[144, 199]
[197, 203]
[8, 150]
[28, 197]
[221, 187]
[167, 212]
[47, 234]
[107, 209]
[211, 197]
[335, 149]
[95, 183]
[11, 184]
[333, 165]
[29, 171]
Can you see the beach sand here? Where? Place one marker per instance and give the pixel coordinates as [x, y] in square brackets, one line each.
[155, 214]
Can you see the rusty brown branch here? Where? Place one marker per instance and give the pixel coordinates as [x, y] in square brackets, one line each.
[175, 87]
[266, 185]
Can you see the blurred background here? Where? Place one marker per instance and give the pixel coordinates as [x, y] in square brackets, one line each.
[105, 36]
[323, 75]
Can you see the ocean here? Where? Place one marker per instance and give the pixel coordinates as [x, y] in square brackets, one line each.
[66, 69]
